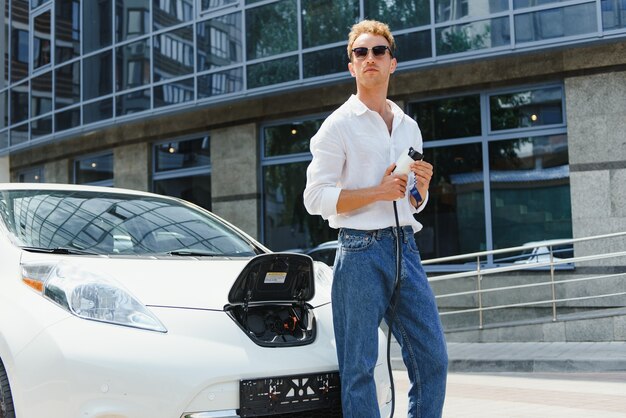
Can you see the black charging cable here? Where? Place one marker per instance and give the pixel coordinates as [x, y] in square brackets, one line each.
[392, 303]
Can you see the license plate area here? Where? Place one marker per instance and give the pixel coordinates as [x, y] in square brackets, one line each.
[288, 394]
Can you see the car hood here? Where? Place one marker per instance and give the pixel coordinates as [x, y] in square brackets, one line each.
[188, 282]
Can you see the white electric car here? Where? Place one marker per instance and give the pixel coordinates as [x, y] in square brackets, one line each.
[116, 303]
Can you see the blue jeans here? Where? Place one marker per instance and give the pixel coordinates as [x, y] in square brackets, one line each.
[364, 276]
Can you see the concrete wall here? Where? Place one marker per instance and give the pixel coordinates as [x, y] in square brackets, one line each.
[131, 166]
[234, 171]
[4, 169]
[58, 171]
[596, 124]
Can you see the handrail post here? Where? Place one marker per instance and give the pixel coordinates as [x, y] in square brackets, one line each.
[480, 293]
[552, 284]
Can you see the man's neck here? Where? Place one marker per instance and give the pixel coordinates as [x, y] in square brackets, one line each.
[374, 100]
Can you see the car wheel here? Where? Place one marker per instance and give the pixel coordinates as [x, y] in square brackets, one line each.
[6, 402]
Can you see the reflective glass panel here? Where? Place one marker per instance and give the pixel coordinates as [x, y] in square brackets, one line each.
[4, 47]
[182, 154]
[613, 14]
[131, 19]
[272, 72]
[101, 110]
[42, 47]
[446, 10]
[19, 134]
[93, 169]
[67, 85]
[220, 42]
[413, 46]
[35, 3]
[324, 62]
[132, 65]
[19, 103]
[195, 189]
[327, 21]
[41, 127]
[19, 40]
[456, 117]
[454, 219]
[289, 138]
[173, 53]
[67, 30]
[136, 101]
[98, 17]
[41, 94]
[399, 14]
[31, 176]
[556, 23]
[271, 29]
[180, 91]
[215, 4]
[223, 82]
[519, 4]
[67, 120]
[527, 109]
[171, 12]
[4, 109]
[530, 193]
[98, 75]
[4, 139]
[473, 36]
[287, 223]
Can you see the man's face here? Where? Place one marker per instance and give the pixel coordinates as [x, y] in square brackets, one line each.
[371, 70]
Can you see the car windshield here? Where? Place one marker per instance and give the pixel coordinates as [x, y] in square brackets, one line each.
[115, 223]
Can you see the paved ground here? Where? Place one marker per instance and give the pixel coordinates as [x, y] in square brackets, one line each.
[519, 380]
[522, 395]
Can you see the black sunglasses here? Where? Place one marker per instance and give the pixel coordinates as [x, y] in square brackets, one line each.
[378, 51]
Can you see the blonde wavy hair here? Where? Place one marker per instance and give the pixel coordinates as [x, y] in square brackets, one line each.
[375, 28]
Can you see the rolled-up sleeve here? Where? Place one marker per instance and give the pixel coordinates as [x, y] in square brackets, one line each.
[324, 173]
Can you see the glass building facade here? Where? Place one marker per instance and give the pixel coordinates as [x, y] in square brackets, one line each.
[501, 147]
[69, 64]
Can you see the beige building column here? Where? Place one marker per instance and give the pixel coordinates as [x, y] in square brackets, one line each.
[131, 166]
[4, 169]
[596, 105]
[58, 171]
[234, 169]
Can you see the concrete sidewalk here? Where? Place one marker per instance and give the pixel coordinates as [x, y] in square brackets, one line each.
[524, 395]
[531, 357]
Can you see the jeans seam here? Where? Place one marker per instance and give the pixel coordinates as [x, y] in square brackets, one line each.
[413, 362]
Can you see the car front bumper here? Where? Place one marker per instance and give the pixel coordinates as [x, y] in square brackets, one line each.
[80, 368]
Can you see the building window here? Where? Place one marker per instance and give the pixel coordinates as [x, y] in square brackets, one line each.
[131, 19]
[94, 170]
[271, 29]
[32, 175]
[182, 168]
[98, 75]
[42, 45]
[286, 223]
[98, 24]
[67, 30]
[499, 187]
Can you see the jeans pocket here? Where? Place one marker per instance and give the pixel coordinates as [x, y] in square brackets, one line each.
[413, 246]
[355, 243]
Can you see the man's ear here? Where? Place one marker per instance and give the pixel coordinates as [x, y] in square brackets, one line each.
[351, 69]
[394, 64]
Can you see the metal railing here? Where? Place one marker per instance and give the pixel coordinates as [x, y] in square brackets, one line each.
[551, 266]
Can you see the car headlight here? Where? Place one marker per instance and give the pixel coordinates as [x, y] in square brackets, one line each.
[89, 295]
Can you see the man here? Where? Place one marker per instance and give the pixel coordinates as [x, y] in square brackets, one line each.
[350, 183]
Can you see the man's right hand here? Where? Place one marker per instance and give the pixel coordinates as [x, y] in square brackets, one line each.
[393, 186]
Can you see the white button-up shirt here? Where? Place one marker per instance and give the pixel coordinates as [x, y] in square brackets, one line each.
[352, 150]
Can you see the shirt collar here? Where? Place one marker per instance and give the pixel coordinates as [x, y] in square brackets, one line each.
[359, 108]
